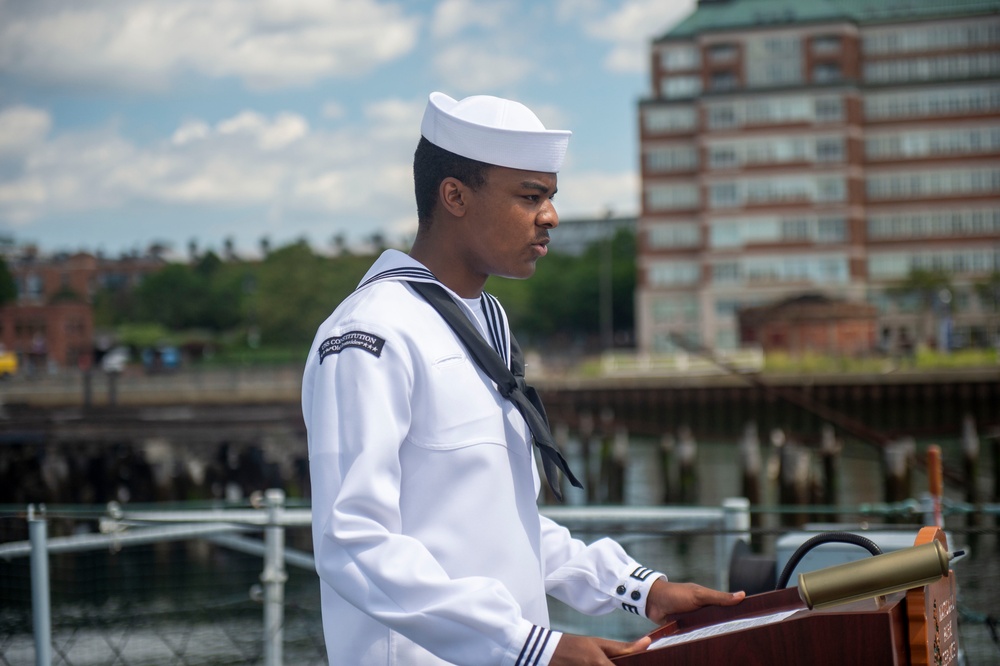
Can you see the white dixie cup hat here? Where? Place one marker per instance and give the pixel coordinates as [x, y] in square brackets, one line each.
[496, 131]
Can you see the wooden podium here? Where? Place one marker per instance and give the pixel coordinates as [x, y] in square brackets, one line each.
[918, 628]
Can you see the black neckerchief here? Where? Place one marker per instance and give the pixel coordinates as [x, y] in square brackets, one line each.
[509, 380]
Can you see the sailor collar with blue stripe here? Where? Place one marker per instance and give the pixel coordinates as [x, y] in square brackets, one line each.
[394, 265]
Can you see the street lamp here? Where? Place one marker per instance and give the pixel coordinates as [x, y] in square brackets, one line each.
[606, 295]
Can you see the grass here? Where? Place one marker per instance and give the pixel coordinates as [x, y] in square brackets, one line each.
[923, 360]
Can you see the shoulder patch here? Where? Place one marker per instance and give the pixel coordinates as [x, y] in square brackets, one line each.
[370, 343]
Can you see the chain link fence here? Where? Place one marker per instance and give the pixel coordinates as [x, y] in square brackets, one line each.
[191, 585]
[164, 586]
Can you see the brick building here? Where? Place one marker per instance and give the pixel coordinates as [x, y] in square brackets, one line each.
[827, 146]
[810, 323]
[44, 279]
[52, 322]
[60, 334]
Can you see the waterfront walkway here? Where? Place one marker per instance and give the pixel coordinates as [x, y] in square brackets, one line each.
[282, 384]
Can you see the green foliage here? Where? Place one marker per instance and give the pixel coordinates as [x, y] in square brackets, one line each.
[563, 300]
[298, 289]
[8, 287]
[289, 293]
[144, 335]
[178, 297]
[925, 359]
[924, 283]
[988, 291]
[113, 307]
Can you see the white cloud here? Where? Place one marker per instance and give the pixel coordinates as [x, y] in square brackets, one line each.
[21, 127]
[250, 161]
[395, 120]
[477, 68]
[191, 130]
[333, 110]
[144, 44]
[587, 193]
[285, 129]
[452, 17]
[629, 27]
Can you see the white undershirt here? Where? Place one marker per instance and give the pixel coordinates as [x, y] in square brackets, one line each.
[477, 308]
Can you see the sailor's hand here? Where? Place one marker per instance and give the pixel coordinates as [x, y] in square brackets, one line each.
[666, 598]
[588, 651]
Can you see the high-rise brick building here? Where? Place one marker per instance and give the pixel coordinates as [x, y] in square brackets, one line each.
[821, 146]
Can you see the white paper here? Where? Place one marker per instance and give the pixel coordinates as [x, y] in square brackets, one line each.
[723, 628]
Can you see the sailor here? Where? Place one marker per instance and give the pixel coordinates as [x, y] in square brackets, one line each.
[428, 540]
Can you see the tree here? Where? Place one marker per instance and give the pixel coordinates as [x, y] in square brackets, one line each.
[988, 291]
[560, 305]
[297, 289]
[8, 287]
[928, 286]
[207, 295]
[339, 243]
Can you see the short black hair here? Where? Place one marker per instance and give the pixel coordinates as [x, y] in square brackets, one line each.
[431, 165]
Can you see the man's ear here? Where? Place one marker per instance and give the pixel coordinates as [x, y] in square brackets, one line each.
[452, 195]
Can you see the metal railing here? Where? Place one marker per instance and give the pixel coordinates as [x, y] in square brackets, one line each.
[121, 527]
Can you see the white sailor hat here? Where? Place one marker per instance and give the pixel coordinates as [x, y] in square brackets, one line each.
[495, 131]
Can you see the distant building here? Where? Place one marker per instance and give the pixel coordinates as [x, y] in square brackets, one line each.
[42, 335]
[831, 146]
[574, 235]
[43, 279]
[810, 323]
[52, 322]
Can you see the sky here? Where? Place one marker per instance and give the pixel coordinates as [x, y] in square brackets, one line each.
[125, 123]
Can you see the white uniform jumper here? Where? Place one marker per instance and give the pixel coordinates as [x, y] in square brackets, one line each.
[427, 536]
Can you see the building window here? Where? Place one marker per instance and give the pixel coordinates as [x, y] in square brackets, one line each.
[943, 182]
[826, 72]
[816, 269]
[939, 36]
[943, 67]
[939, 102]
[897, 265]
[723, 81]
[771, 230]
[724, 195]
[826, 44]
[829, 109]
[672, 197]
[721, 116]
[680, 58]
[674, 234]
[725, 234]
[726, 271]
[722, 53]
[778, 110]
[830, 150]
[674, 273]
[674, 308]
[795, 229]
[671, 158]
[830, 189]
[670, 119]
[681, 86]
[923, 223]
[773, 60]
[722, 156]
[35, 285]
[966, 141]
[831, 230]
